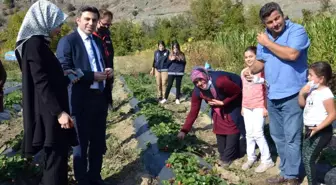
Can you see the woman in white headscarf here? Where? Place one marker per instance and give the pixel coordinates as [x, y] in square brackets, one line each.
[47, 124]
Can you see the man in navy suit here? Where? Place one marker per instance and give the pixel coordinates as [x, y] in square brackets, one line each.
[89, 96]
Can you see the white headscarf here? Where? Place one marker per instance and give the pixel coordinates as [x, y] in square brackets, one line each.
[41, 18]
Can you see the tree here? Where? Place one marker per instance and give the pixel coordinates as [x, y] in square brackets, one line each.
[207, 16]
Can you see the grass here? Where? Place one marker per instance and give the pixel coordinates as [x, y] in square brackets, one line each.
[13, 71]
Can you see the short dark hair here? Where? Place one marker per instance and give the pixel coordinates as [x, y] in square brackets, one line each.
[161, 42]
[105, 12]
[88, 9]
[267, 10]
[322, 68]
[251, 48]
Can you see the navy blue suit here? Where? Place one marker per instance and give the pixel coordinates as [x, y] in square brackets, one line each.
[87, 106]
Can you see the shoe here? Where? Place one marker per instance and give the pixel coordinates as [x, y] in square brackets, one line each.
[276, 180]
[163, 101]
[177, 101]
[264, 166]
[159, 99]
[293, 182]
[224, 164]
[247, 165]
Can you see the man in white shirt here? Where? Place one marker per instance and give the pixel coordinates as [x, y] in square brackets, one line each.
[89, 96]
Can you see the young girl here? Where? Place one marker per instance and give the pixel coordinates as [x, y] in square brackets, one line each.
[319, 113]
[160, 69]
[175, 71]
[254, 112]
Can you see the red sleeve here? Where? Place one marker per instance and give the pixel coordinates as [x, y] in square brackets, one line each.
[231, 90]
[196, 102]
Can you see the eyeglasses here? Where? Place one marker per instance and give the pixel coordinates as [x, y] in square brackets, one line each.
[105, 24]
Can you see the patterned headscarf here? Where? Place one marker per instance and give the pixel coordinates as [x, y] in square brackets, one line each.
[199, 73]
[41, 18]
[202, 73]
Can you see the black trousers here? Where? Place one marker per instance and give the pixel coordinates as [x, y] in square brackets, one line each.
[171, 79]
[311, 149]
[228, 147]
[90, 125]
[55, 167]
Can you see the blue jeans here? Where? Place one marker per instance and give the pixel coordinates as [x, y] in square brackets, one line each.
[286, 126]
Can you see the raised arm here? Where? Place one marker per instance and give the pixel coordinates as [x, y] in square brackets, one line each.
[297, 41]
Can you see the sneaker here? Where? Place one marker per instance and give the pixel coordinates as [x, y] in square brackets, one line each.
[177, 101]
[247, 165]
[263, 167]
[163, 101]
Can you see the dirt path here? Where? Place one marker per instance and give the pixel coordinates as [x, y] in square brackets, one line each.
[122, 164]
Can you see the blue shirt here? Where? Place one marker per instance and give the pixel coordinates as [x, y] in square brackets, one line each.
[286, 78]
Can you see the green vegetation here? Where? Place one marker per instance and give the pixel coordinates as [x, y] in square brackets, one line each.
[189, 171]
[13, 168]
[185, 166]
[13, 98]
[214, 30]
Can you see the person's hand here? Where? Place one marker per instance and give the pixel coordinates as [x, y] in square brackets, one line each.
[73, 74]
[65, 120]
[248, 75]
[69, 71]
[173, 57]
[242, 112]
[100, 76]
[109, 72]
[265, 112]
[181, 135]
[263, 39]
[152, 72]
[215, 102]
[314, 130]
[305, 90]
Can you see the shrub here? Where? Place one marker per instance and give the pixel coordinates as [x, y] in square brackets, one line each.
[321, 31]
[9, 3]
[2, 20]
[9, 35]
[207, 15]
[70, 7]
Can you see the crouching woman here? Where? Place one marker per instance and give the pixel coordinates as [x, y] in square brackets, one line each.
[222, 91]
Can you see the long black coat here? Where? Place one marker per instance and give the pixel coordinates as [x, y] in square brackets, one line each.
[44, 97]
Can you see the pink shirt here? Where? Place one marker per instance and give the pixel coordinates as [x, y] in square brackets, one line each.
[253, 94]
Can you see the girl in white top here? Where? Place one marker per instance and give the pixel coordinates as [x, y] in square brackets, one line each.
[319, 113]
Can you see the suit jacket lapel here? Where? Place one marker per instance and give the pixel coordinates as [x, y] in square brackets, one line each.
[86, 65]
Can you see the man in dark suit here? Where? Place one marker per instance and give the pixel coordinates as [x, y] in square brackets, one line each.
[89, 96]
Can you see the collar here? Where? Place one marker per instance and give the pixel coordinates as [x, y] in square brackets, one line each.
[83, 35]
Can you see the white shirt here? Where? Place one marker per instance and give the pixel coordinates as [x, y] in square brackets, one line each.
[89, 51]
[314, 112]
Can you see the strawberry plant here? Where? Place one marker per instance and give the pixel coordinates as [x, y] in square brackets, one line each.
[13, 98]
[12, 168]
[189, 171]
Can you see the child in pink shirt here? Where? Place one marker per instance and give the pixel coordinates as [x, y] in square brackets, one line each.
[254, 112]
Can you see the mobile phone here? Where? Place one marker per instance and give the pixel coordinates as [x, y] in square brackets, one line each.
[79, 73]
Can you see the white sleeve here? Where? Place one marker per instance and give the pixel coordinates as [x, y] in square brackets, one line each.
[327, 94]
[258, 80]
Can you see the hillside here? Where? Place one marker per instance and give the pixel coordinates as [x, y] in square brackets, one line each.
[149, 10]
